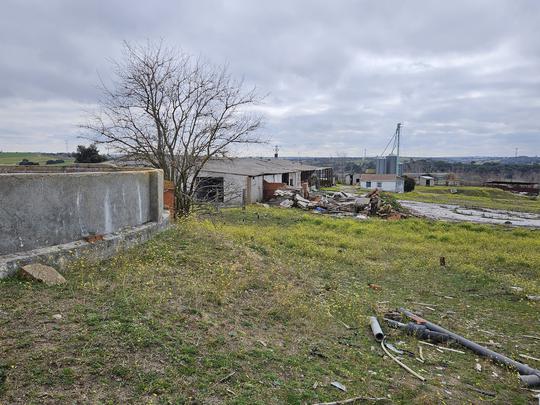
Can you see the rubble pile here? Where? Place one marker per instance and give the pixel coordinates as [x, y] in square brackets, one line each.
[339, 203]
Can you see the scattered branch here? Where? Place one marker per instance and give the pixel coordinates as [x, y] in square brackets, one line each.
[401, 364]
[352, 400]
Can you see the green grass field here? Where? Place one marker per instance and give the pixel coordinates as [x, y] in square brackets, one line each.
[474, 197]
[13, 158]
[250, 308]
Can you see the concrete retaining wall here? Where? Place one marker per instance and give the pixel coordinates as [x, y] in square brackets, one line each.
[40, 209]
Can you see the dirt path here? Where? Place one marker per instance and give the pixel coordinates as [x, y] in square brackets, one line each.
[479, 215]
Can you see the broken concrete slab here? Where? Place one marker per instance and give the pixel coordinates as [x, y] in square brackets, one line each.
[41, 273]
[298, 198]
[361, 201]
[283, 193]
[286, 204]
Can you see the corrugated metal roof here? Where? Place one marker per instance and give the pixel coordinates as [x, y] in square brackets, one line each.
[254, 166]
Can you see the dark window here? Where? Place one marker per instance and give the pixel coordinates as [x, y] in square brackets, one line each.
[379, 184]
[210, 189]
[368, 184]
[285, 178]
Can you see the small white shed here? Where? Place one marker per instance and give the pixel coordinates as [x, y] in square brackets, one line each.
[426, 180]
[383, 182]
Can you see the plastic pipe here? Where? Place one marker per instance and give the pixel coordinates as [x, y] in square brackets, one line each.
[376, 328]
[529, 376]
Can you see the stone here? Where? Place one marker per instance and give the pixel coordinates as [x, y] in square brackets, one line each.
[57, 317]
[93, 238]
[42, 273]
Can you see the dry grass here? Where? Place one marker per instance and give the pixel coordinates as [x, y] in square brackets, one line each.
[265, 295]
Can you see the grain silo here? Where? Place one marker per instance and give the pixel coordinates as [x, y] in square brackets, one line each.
[381, 165]
[391, 164]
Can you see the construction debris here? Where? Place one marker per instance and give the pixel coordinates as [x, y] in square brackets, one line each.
[423, 329]
[442, 348]
[420, 331]
[525, 356]
[339, 386]
[340, 203]
[483, 392]
[379, 337]
[401, 364]
[286, 203]
[376, 328]
[352, 400]
[528, 375]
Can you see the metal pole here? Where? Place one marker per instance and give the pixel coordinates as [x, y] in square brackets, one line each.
[398, 134]
[530, 376]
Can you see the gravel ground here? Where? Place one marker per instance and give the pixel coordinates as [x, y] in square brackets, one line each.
[479, 215]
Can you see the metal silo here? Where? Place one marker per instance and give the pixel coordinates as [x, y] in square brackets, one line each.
[381, 165]
[391, 164]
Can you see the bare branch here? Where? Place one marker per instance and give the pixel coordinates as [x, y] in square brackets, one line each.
[174, 112]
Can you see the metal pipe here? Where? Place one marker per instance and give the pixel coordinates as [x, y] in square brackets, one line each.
[530, 376]
[419, 331]
[376, 328]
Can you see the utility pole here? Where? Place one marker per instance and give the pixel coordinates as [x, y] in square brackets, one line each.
[398, 134]
[516, 151]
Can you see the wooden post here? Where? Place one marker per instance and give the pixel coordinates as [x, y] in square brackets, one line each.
[442, 261]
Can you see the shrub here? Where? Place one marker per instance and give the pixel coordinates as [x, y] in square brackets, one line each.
[88, 154]
[409, 184]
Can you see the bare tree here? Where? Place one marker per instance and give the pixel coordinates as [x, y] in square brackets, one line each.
[175, 112]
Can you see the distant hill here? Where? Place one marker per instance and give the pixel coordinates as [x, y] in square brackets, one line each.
[473, 170]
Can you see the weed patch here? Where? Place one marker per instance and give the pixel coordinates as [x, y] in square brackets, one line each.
[270, 306]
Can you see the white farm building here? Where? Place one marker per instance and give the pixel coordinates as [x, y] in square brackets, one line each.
[250, 180]
[383, 182]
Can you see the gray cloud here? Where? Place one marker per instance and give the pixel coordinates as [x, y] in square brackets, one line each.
[463, 76]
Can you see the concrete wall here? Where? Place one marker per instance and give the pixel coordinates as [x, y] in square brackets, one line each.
[44, 209]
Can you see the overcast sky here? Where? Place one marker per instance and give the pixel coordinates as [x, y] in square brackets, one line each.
[463, 76]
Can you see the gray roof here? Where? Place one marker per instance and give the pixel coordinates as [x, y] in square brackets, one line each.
[255, 166]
